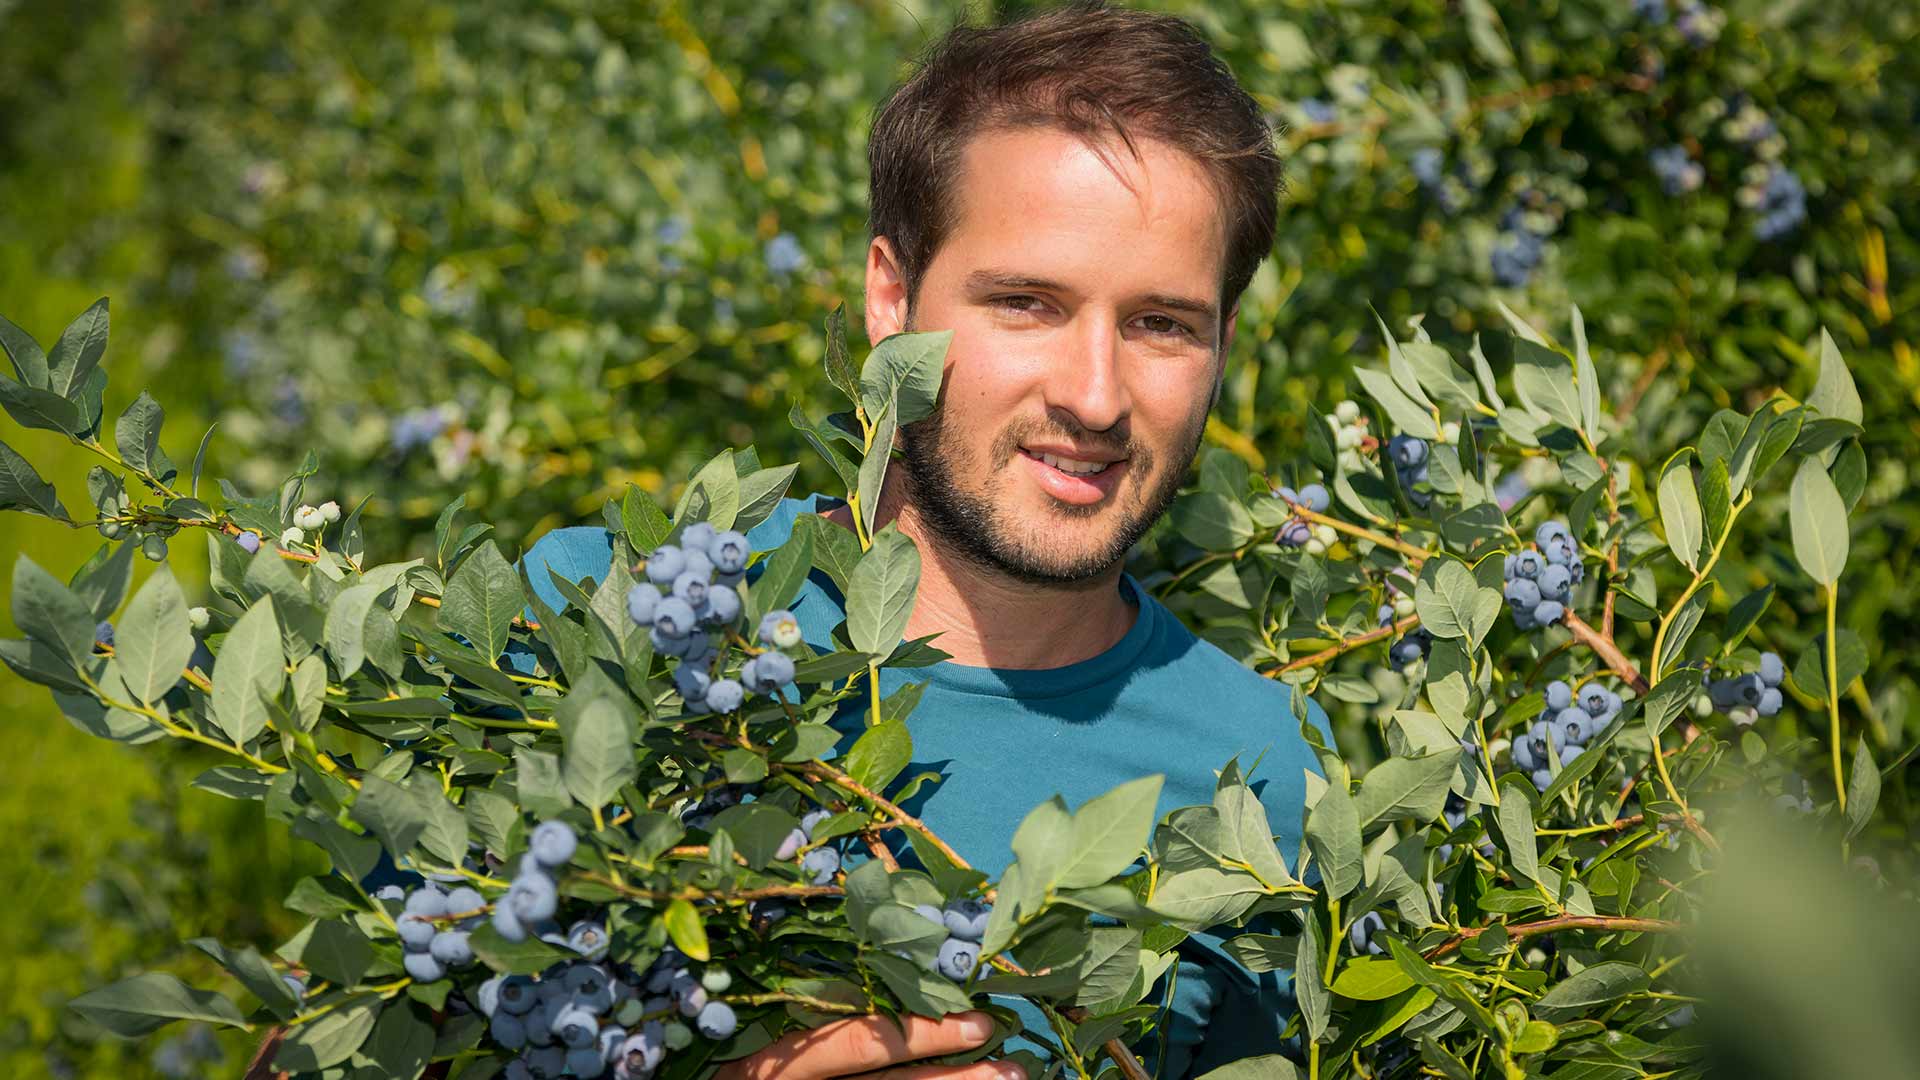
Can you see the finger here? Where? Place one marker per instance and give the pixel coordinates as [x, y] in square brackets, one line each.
[862, 1044]
[980, 1070]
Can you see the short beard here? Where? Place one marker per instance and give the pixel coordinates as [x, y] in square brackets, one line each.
[940, 473]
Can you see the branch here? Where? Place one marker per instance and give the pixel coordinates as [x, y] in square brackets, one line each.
[1564, 922]
[1603, 646]
[1346, 645]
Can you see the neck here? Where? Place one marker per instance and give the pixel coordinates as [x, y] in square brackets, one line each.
[987, 619]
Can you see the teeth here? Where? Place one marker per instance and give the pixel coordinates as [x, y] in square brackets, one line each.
[1077, 468]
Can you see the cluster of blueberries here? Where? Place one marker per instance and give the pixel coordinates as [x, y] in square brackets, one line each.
[1409, 457]
[418, 427]
[966, 924]
[1676, 169]
[587, 1019]
[1522, 243]
[1298, 532]
[434, 924]
[1777, 194]
[1417, 643]
[1540, 582]
[1746, 698]
[1697, 23]
[1453, 190]
[1562, 734]
[691, 590]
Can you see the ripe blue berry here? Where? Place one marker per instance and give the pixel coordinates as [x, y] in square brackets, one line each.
[642, 600]
[416, 932]
[767, 672]
[1593, 698]
[248, 541]
[717, 1021]
[586, 1061]
[812, 819]
[423, 967]
[967, 919]
[508, 1030]
[673, 617]
[1407, 451]
[725, 695]
[1748, 689]
[506, 923]
[957, 958]
[729, 552]
[1770, 701]
[451, 948]
[1315, 497]
[821, 863]
[1573, 725]
[1527, 564]
[1542, 779]
[1361, 934]
[391, 892]
[427, 901]
[723, 606]
[575, 1026]
[790, 846]
[517, 995]
[1772, 669]
[692, 588]
[666, 563]
[1556, 583]
[692, 681]
[1522, 593]
[532, 897]
[1548, 612]
[588, 938]
[464, 900]
[1559, 695]
[697, 536]
[643, 1052]
[552, 843]
[297, 986]
[608, 1045]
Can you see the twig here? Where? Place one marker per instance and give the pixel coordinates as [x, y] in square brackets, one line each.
[1346, 645]
[1564, 922]
[1603, 646]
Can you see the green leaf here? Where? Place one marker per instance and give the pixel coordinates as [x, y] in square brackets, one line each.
[1109, 831]
[81, 345]
[1309, 981]
[645, 524]
[247, 965]
[1834, 394]
[1514, 816]
[1405, 787]
[1044, 843]
[1680, 511]
[760, 492]
[1546, 383]
[879, 754]
[346, 626]
[873, 467]
[528, 957]
[390, 812]
[881, 593]
[599, 755]
[50, 613]
[1406, 414]
[249, 671]
[1593, 985]
[1818, 520]
[1333, 836]
[689, 934]
[154, 639]
[712, 496]
[1587, 378]
[1863, 789]
[1263, 1067]
[101, 583]
[329, 1039]
[1454, 605]
[445, 834]
[839, 361]
[137, 433]
[902, 375]
[35, 408]
[336, 952]
[1213, 521]
[148, 1002]
[783, 576]
[481, 601]
[1371, 978]
[402, 1042]
[21, 487]
[1206, 896]
[29, 360]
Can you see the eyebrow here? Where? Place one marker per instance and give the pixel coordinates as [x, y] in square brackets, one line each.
[1000, 279]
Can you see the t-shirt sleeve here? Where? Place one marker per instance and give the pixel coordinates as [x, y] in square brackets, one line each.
[580, 551]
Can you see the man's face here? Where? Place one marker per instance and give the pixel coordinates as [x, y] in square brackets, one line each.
[1087, 336]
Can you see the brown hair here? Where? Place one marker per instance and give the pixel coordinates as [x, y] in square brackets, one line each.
[1088, 69]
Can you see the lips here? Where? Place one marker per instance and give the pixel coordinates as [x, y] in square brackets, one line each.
[1078, 489]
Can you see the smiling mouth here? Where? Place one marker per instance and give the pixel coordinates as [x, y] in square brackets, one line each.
[1070, 466]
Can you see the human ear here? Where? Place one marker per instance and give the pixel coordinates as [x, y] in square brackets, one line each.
[886, 291]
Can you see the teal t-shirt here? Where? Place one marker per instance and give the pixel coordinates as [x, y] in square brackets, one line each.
[1002, 741]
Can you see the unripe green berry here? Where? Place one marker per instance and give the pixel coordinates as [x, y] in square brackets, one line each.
[198, 617]
[112, 530]
[677, 1035]
[154, 548]
[716, 980]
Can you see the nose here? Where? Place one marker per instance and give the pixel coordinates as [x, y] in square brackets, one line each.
[1086, 376]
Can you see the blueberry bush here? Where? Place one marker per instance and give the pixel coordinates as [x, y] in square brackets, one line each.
[631, 850]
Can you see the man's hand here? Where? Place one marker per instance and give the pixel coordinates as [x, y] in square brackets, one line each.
[869, 1046]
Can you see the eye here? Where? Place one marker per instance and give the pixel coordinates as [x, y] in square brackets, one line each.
[1015, 303]
[1173, 326]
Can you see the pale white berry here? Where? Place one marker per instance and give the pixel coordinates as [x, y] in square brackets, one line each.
[330, 510]
[294, 535]
[1450, 432]
[1347, 412]
[1315, 547]
[198, 617]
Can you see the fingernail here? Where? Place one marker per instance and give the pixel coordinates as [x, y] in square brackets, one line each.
[1013, 1072]
[976, 1025]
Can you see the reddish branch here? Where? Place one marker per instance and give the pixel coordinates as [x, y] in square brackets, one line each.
[1603, 646]
[1564, 922]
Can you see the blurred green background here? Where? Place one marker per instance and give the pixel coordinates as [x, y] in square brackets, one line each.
[533, 252]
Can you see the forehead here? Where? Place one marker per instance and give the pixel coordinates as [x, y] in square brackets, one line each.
[1046, 201]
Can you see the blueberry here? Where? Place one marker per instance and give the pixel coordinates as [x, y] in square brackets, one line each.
[1315, 497]
[692, 588]
[821, 863]
[697, 536]
[1569, 752]
[575, 1026]
[533, 897]
[690, 998]
[586, 1061]
[1384, 615]
[1547, 530]
[1360, 934]
[1772, 669]
[427, 901]
[930, 913]
[1522, 593]
[1770, 701]
[424, 968]
[674, 617]
[692, 681]
[416, 932]
[1747, 689]
[1527, 564]
[391, 892]
[248, 541]
[451, 948]
[1548, 612]
[670, 645]
[642, 599]
[296, 986]
[1287, 493]
[1559, 695]
[506, 923]
[1574, 725]
[1407, 451]
[1523, 754]
[1295, 533]
[666, 563]
[508, 1030]
[643, 1052]
[725, 695]
[767, 672]
[957, 958]
[722, 607]
[790, 846]
[588, 938]
[967, 919]
[729, 552]
[764, 913]
[103, 633]
[517, 995]
[548, 1062]
[552, 843]
[608, 1045]
[1593, 698]
[717, 1021]
[1556, 583]
[779, 629]
[1542, 779]
[811, 819]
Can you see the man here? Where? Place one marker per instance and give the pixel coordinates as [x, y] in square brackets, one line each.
[1081, 198]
